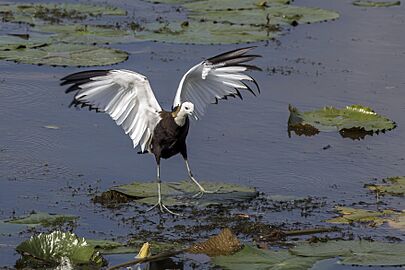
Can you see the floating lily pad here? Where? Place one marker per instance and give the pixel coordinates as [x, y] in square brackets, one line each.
[87, 34]
[365, 3]
[51, 249]
[205, 33]
[258, 259]
[393, 186]
[354, 215]
[362, 253]
[274, 15]
[354, 121]
[54, 13]
[107, 247]
[8, 228]
[175, 2]
[231, 4]
[180, 193]
[398, 223]
[43, 219]
[62, 54]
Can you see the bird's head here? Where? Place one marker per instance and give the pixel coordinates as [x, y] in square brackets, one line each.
[187, 108]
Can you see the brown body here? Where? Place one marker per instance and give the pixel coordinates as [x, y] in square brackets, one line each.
[169, 139]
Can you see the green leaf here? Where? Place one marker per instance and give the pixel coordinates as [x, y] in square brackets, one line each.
[193, 32]
[365, 3]
[356, 252]
[374, 218]
[393, 186]
[231, 4]
[62, 54]
[173, 2]
[272, 15]
[180, 193]
[51, 249]
[43, 219]
[87, 34]
[9, 228]
[354, 121]
[106, 247]
[257, 259]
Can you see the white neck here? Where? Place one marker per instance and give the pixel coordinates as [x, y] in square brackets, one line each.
[180, 119]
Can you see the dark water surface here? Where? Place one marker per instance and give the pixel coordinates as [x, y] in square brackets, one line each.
[358, 59]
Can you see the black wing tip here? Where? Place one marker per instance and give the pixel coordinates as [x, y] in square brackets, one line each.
[83, 75]
[234, 54]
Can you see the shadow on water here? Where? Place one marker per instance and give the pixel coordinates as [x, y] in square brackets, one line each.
[357, 59]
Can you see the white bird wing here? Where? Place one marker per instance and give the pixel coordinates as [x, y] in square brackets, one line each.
[216, 78]
[125, 95]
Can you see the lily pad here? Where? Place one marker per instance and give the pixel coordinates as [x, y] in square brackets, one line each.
[274, 15]
[51, 249]
[54, 13]
[8, 228]
[87, 34]
[180, 193]
[175, 2]
[393, 186]
[365, 3]
[107, 247]
[356, 252]
[258, 259]
[354, 121]
[374, 218]
[231, 4]
[62, 54]
[43, 219]
[193, 32]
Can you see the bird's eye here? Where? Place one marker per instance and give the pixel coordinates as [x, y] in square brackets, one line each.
[186, 108]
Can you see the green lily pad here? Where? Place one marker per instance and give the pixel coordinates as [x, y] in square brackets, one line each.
[231, 4]
[174, 2]
[8, 228]
[354, 121]
[205, 33]
[356, 252]
[365, 3]
[258, 259]
[374, 218]
[87, 34]
[107, 247]
[62, 54]
[180, 193]
[51, 249]
[273, 15]
[43, 219]
[54, 13]
[393, 186]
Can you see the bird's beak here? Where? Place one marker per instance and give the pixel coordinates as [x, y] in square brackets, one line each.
[194, 115]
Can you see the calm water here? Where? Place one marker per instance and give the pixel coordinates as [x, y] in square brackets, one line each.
[358, 59]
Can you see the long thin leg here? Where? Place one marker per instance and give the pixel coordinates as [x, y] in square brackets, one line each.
[162, 207]
[202, 189]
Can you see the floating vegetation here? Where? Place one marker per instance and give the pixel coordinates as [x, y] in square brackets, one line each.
[43, 219]
[392, 186]
[62, 54]
[50, 250]
[180, 193]
[366, 3]
[106, 247]
[209, 5]
[350, 215]
[355, 121]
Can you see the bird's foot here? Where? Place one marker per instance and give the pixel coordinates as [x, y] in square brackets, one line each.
[204, 191]
[163, 208]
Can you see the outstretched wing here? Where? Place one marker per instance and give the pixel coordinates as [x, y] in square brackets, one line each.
[125, 95]
[216, 78]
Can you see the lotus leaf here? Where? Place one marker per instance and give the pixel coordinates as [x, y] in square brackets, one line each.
[106, 247]
[356, 252]
[205, 33]
[174, 2]
[8, 228]
[375, 218]
[394, 186]
[51, 249]
[180, 193]
[53, 13]
[258, 259]
[62, 54]
[87, 34]
[231, 4]
[44, 219]
[365, 3]
[354, 121]
[272, 15]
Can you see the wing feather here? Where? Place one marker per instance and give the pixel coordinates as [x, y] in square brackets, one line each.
[125, 95]
[216, 78]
